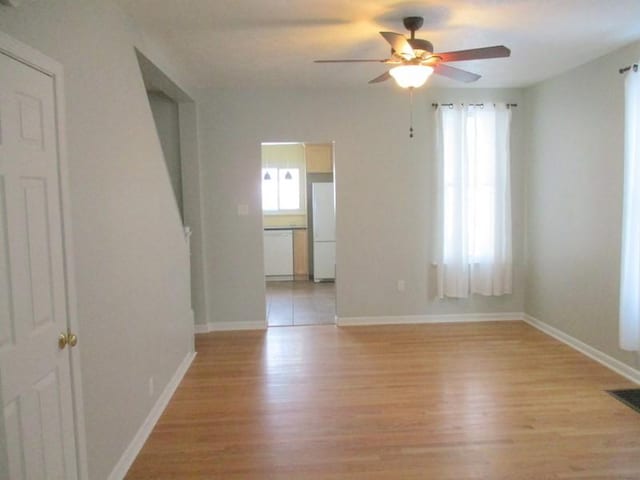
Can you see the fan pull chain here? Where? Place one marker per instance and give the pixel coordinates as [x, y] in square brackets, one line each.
[411, 112]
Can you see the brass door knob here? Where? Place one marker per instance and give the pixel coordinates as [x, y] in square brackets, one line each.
[68, 338]
[62, 341]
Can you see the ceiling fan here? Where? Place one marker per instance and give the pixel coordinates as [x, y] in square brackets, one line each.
[415, 61]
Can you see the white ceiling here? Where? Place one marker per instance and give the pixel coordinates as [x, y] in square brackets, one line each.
[272, 43]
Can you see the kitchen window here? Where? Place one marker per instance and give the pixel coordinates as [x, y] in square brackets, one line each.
[282, 190]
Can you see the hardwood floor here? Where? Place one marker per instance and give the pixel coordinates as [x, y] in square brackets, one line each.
[497, 400]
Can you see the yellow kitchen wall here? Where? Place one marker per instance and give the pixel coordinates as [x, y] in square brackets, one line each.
[283, 155]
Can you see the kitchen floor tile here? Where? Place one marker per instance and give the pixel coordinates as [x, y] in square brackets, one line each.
[300, 303]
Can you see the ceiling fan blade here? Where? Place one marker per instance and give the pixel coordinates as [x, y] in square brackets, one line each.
[455, 73]
[399, 44]
[385, 76]
[350, 61]
[497, 51]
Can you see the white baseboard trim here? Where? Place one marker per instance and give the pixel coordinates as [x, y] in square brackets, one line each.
[201, 328]
[413, 319]
[229, 326]
[130, 454]
[617, 366]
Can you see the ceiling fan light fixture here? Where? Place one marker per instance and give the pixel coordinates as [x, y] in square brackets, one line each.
[411, 76]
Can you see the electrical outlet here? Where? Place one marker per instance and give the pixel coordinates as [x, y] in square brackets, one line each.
[401, 285]
[152, 388]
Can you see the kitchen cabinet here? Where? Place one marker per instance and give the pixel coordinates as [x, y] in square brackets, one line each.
[278, 252]
[300, 254]
[319, 157]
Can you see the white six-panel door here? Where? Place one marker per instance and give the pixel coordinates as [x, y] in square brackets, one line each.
[34, 370]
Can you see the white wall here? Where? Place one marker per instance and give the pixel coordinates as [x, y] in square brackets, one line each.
[574, 201]
[4, 457]
[384, 188]
[130, 253]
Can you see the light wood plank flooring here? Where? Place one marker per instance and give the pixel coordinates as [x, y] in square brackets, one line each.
[497, 400]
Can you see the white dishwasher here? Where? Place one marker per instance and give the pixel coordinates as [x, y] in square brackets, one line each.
[278, 253]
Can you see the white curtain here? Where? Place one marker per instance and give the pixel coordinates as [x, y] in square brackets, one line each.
[630, 267]
[473, 247]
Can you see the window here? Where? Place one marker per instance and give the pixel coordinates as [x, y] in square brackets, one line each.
[284, 179]
[281, 189]
[473, 252]
[630, 265]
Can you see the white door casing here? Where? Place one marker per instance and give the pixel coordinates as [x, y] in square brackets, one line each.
[35, 374]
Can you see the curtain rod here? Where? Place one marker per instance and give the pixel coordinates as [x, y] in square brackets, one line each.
[450, 105]
[629, 67]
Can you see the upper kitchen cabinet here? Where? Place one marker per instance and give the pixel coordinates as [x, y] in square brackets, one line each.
[319, 157]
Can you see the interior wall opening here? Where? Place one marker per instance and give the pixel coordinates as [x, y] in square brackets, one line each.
[167, 120]
[298, 207]
[174, 115]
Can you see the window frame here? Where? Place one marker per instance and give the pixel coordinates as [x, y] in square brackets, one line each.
[301, 190]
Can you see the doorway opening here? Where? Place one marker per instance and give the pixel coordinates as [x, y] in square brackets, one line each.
[298, 206]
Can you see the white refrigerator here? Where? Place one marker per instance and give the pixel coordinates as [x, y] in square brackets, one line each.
[324, 231]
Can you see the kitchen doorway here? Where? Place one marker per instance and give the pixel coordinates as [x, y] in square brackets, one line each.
[298, 202]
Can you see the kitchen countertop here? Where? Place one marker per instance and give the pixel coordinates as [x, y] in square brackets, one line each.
[290, 227]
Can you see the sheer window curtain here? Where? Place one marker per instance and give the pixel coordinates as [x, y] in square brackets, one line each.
[630, 267]
[473, 246]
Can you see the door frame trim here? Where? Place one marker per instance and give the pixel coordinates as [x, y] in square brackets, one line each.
[35, 59]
